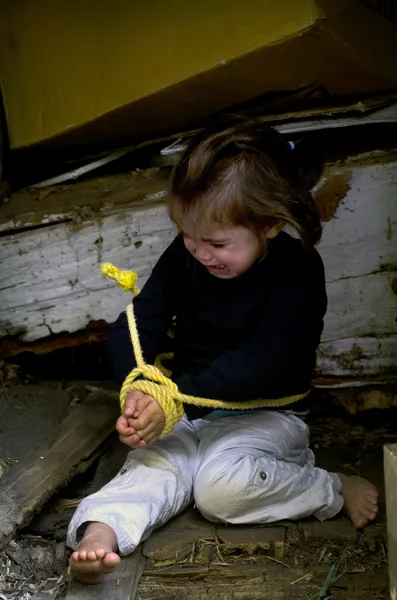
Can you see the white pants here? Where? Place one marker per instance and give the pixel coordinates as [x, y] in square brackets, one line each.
[251, 468]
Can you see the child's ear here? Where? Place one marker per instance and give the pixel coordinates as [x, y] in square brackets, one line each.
[274, 230]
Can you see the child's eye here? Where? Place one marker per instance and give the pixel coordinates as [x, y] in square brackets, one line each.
[218, 245]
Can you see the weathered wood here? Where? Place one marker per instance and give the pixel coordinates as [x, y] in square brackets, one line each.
[390, 460]
[50, 280]
[18, 404]
[54, 518]
[28, 484]
[359, 399]
[369, 356]
[120, 585]
[82, 200]
[361, 306]
[97, 333]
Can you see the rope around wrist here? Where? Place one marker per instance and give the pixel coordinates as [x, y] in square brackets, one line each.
[154, 383]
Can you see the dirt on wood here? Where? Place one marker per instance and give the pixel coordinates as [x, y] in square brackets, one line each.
[32, 565]
[193, 559]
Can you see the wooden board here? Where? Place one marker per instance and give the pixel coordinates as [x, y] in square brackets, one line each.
[82, 200]
[119, 585]
[50, 280]
[28, 484]
[390, 459]
[361, 357]
[17, 401]
[53, 520]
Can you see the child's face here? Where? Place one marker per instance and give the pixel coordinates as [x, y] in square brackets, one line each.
[226, 252]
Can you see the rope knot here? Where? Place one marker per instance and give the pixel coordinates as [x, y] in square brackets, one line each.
[156, 384]
[160, 387]
[125, 279]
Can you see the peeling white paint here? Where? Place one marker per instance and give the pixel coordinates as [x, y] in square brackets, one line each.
[363, 234]
[366, 356]
[50, 280]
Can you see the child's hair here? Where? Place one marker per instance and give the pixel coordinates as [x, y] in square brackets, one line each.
[243, 173]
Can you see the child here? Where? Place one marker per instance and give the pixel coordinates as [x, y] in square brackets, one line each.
[248, 301]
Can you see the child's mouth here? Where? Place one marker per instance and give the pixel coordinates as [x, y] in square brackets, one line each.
[216, 268]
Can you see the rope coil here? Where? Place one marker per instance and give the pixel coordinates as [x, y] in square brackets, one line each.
[161, 387]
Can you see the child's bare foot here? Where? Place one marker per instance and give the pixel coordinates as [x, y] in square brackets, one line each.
[361, 499]
[95, 555]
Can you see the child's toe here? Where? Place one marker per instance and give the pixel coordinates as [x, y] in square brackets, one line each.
[360, 521]
[369, 506]
[367, 512]
[372, 498]
[111, 560]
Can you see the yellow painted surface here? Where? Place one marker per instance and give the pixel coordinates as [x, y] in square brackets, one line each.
[64, 62]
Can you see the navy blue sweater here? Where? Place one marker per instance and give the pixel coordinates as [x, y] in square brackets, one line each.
[235, 339]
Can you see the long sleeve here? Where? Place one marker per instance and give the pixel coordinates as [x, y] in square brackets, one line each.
[266, 364]
[154, 309]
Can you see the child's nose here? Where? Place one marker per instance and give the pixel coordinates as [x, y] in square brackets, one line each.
[202, 253]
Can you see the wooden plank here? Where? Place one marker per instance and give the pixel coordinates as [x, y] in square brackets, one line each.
[50, 280]
[122, 584]
[51, 405]
[53, 520]
[358, 204]
[82, 200]
[28, 484]
[368, 356]
[390, 461]
[361, 306]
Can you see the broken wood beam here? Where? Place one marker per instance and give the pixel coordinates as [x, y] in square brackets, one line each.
[82, 200]
[93, 334]
[27, 485]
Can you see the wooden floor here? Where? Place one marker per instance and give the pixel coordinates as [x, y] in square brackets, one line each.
[189, 557]
[44, 443]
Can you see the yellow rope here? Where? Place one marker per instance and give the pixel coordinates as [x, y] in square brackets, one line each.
[125, 279]
[161, 387]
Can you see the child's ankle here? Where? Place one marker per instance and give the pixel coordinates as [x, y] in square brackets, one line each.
[98, 528]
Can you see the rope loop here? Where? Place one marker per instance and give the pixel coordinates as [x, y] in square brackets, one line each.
[150, 380]
[159, 387]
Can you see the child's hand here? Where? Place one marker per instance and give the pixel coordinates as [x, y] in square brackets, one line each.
[141, 422]
[148, 421]
[127, 434]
